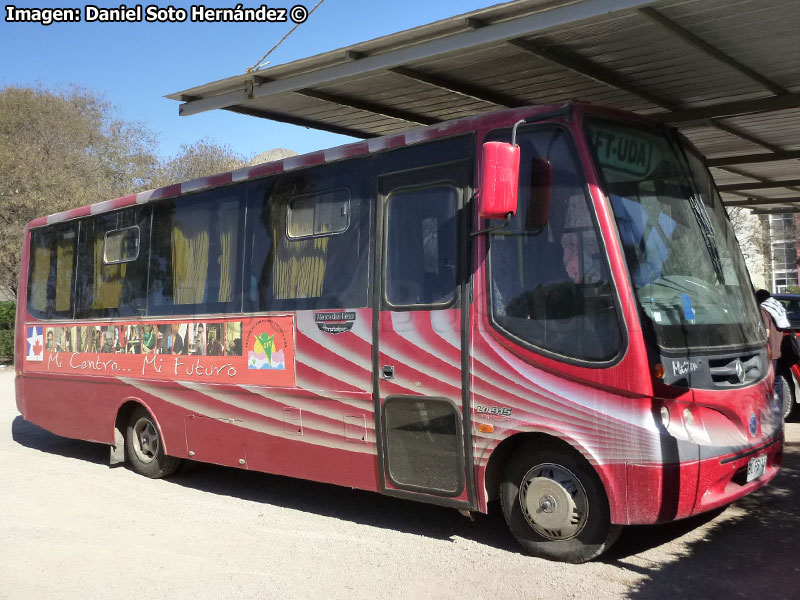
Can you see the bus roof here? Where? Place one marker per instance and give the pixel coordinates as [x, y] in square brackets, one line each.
[407, 138]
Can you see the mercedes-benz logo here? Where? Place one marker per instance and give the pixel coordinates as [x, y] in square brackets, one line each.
[739, 368]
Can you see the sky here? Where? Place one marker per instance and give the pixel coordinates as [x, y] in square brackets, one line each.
[134, 65]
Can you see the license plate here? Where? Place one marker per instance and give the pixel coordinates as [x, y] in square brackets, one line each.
[756, 467]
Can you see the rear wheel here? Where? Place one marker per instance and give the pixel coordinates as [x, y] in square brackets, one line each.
[145, 448]
[555, 505]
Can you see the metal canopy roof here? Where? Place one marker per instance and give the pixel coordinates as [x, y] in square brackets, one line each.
[726, 72]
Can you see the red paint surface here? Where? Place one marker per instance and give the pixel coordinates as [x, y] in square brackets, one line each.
[299, 426]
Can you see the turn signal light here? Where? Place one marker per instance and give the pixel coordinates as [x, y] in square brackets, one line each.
[486, 428]
[658, 371]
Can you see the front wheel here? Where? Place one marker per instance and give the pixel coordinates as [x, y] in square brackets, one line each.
[555, 505]
[145, 448]
[787, 399]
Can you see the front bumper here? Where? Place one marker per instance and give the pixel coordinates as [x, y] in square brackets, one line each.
[662, 493]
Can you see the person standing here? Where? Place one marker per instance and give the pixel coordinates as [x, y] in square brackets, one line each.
[148, 339]
[775, 321]
[214, 347]
[177, 340]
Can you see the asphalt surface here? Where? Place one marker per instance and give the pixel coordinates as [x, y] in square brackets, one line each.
[72, 527]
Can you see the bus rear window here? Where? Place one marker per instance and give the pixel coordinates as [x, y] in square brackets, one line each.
[52, 271]
[112, 264]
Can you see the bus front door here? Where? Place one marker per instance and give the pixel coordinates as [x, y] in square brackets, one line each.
[419, 355]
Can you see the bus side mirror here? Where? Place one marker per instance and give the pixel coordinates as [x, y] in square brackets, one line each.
[497, 195]
[541, 190]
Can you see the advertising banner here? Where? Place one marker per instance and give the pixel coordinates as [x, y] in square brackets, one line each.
[257, 351]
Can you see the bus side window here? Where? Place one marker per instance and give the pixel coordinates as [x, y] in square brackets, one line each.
[550, 285]
[421, 246]
[52, 271]
[196, 250]
[308, 241]
[112, 273]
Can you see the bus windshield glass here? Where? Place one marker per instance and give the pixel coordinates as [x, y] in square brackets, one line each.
[684, 262]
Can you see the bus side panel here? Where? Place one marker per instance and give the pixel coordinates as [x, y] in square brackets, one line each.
[267, 437]
[285, 431]
[19, 327]
[603, 409]
[352, 465]
[76, 407]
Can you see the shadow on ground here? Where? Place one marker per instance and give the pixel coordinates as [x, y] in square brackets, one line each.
[32, 436]
[356, 506]
[750, 555]
[755, 555]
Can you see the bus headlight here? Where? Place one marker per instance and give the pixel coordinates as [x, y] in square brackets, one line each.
[688, 418]
[665, 417]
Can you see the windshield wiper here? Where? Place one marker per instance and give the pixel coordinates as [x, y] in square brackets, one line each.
[699, 209]
[707, 229]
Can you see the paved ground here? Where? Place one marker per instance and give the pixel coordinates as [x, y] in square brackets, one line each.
[71, 527]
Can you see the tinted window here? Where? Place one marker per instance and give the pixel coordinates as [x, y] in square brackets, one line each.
[423, 445]
[688, 274]
[51, 277]
[319, 214]
[308, 240]
[421, 245]
[196, 253]
[792, 306]
[112, 273]
[121, 245]
[550, 284]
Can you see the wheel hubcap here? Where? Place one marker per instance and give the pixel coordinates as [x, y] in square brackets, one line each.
[554, 502]
[145, 440]
[547, 504]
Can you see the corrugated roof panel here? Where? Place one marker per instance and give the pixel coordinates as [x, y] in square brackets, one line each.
[670, 68]
[531, 80]
[780, 128]
[776, 196]
[770, 27]
[714, 142]
[723, 177]
[736, 57]
[316, 110]
[775, 171]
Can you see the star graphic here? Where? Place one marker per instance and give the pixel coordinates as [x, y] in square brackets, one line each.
[35, 341]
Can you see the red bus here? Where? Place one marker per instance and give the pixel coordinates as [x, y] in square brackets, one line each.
[578, 338]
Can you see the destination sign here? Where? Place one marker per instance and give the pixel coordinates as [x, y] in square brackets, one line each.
[623, 150]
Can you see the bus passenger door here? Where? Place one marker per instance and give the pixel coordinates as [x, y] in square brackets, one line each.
[420, 344]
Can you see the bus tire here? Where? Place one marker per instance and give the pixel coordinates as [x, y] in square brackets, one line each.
[556, 506]
[145, 448]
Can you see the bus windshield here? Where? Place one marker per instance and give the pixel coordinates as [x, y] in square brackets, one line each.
[684, 262]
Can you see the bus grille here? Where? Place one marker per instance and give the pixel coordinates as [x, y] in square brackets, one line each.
[724, 371]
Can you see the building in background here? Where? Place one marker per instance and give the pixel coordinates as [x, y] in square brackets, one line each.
[752, 232]
[783, 251]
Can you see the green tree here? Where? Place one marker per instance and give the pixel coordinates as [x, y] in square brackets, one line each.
[60, 150]
[69, 148]
[200, 159]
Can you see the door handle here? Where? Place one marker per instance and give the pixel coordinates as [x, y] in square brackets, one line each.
[387, 372]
